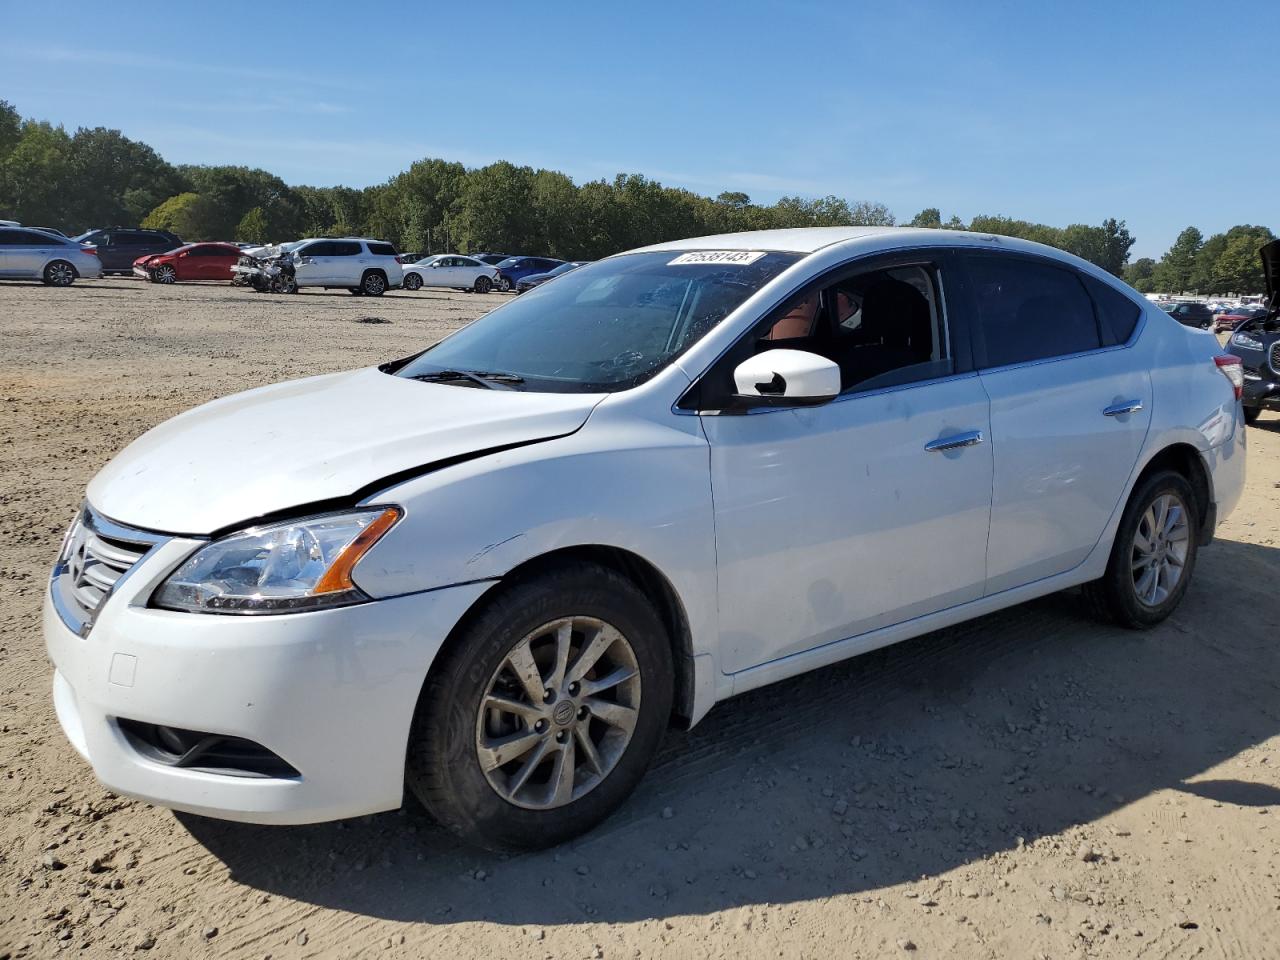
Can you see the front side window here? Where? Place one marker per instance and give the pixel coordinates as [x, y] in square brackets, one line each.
[322, 249]
[606, 326]
[882, 327]
[1028, 310]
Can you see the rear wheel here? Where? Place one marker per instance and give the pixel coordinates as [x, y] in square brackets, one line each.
[59, 274]
[373, 283]
[1153, 556]
[412, 281]
[1251, 414]
[483, 285]
[544, 713]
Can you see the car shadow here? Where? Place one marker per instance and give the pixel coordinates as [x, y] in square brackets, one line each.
[907, 762]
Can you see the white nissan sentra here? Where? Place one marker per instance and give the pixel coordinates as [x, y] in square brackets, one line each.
[498, 570]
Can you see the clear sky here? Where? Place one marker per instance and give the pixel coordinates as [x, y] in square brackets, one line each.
[1161, 114]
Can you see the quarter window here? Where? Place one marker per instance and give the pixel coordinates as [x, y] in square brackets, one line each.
[1117, 314]
[1030, 311]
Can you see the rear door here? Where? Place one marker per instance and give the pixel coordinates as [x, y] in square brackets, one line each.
[349, 261]
[1070, 408]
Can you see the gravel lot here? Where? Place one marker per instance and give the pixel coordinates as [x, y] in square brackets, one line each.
[1033, 784]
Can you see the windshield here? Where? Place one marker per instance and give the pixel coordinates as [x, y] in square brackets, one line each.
[605, 326]
[510, 262]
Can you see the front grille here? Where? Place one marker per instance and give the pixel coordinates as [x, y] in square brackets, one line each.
[206, 752]
[1275, 358]
[98, 554]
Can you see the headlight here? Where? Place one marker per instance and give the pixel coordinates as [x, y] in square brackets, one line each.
[301, 565]
[1246, 341]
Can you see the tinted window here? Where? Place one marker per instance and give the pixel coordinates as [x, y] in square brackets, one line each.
[345, 248]
[382, 250]
[9, 238]
[1029, 310]
[1117, 314]
[322, 249]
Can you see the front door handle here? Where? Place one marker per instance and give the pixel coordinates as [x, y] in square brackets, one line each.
[972, 438]
[1123, 407]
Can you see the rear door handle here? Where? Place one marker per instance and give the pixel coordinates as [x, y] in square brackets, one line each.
[972, 438]
[1123, 407]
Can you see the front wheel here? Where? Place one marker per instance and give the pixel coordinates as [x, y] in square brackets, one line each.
[59, 274]
[1153, 555]
[412, 281]
[504, 285]
[483, 285]
[544, 713]
[164, 274]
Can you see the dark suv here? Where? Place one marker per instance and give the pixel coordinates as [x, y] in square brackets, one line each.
[118, 247]
[1256, 342]
[1190, 314]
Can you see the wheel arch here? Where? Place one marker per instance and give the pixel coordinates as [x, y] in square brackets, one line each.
[1183, 458]
[646, 577]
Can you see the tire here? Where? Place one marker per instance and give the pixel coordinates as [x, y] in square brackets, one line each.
[1116, 595]
[1251, 415]
[412, 281]
[483, 285]
[504, 285]
[59, 273]
[373, 283]
[164, 274]
[451, 729]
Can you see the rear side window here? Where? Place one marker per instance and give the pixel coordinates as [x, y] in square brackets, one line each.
[382, 250]
[9, 238]
[1029, 310]
[345, 248]
[1117, 314]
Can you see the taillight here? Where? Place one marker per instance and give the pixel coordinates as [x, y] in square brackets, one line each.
[1232, 368]
[93, 250]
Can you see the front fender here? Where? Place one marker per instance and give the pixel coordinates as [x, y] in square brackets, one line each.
[635, 485]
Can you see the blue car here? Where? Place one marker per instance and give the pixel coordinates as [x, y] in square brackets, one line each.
[514, 269]
[535, 279]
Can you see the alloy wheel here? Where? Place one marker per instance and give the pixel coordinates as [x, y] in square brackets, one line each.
[374, 284]
[166, 274]
[1160, 546]
[558, 713]
[60, 273]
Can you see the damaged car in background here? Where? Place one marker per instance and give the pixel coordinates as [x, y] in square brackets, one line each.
[363, 267]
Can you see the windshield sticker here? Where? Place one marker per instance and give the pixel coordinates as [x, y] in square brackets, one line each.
[737, 258]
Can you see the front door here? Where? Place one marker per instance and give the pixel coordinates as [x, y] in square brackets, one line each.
[873, 509]
[313, 265]
[1069, 414]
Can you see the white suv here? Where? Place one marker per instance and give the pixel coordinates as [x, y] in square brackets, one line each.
[362, 266]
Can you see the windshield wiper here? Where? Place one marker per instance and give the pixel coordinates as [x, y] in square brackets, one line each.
[484, 378]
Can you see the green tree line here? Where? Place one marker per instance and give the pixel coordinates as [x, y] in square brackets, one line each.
[99, 177]
[1224, 263]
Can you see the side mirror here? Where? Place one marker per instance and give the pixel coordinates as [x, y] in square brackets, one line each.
[786, 378]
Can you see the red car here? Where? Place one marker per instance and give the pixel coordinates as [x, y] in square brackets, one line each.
[194, 261]
[1226, 322]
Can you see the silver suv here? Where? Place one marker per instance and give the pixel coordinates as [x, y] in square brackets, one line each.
[362, 266]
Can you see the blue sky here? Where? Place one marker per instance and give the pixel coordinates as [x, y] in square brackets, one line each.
[1059, 113]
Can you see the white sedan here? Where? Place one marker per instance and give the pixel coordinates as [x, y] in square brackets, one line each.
[450, 270]
[494, 572]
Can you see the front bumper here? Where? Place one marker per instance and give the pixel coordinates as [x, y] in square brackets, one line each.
[330, 692]
[1263, 392]
[141, 272]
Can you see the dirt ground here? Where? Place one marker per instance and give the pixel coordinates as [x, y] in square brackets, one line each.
[1032, 784]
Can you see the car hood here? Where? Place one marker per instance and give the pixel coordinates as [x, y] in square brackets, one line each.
[305, 441]
[1270, 254]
